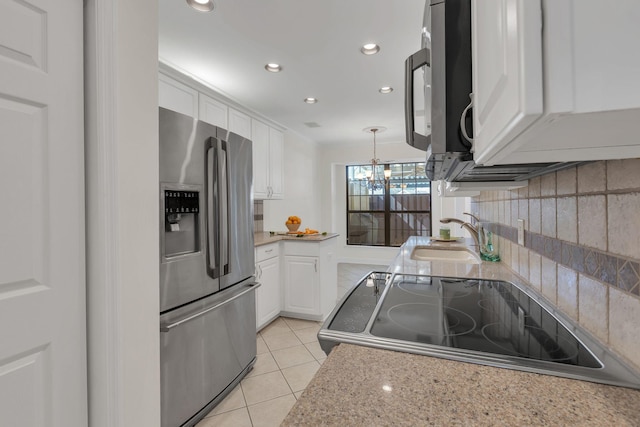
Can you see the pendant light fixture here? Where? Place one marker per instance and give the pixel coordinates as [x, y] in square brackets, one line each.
[376, 180]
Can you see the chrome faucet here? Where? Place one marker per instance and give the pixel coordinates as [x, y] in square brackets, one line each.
[475, 218]
[470, 228]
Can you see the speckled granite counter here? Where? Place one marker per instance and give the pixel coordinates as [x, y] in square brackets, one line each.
[367, 386]
[358, 386]
[260, 239]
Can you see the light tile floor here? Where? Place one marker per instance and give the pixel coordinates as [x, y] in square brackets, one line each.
[288, 356]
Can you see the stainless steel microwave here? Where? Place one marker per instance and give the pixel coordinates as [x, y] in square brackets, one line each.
[438, 107]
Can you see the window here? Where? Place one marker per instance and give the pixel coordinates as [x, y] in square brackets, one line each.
[386, 213]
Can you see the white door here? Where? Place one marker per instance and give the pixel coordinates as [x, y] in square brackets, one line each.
[507, 72]
[212, 111]
[43, 377]
[301, 285]
[239, 123]
[276, 154]
[260, 139]
[177, 97]
[268, 302]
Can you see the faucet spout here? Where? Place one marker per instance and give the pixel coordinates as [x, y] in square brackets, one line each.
[470, 228]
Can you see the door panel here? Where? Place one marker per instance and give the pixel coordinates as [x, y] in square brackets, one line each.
[240, 205]
[42, 277]
[276, 154]
[261, 167]
[507, 72]
[200, 357]
[301, 285]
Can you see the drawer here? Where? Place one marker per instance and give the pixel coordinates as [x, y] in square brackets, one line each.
[302, 248]
[267, 251]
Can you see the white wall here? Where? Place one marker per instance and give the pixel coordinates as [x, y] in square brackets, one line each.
[332, 165]
[121, 81]
[301, 188]
[451, 207]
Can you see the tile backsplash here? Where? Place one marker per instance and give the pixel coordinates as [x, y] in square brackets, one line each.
[258, 216]
[582, 245]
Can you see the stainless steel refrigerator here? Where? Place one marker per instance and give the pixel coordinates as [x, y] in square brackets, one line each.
[207, 287]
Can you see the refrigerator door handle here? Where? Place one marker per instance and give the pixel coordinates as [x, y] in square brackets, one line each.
[223, 188]
[211, 222]
[164, 327]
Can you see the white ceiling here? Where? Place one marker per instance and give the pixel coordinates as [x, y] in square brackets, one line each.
[317, 42]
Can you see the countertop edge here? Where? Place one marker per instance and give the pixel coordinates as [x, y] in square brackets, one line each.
[266, 238]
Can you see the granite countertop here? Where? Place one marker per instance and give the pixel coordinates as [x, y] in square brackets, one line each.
[260, 239]
[367, 386]
[358, 386]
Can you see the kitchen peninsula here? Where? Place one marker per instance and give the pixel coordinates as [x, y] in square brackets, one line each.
[297, 276]
[360, 385]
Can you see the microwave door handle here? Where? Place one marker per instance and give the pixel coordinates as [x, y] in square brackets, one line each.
[415, 61]
[211, 192]
[463, 125]
[223, 206]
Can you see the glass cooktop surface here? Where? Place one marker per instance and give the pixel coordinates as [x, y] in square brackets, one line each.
[482, 315]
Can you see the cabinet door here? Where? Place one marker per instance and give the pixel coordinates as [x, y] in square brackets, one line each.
[276, 154]
[301, 285]
[268, 298]
[212, 111]
[176, 96]
[507, 73]
[260, 139]
[239, 123]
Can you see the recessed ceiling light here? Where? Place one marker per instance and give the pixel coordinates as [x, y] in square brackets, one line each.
[201, 5]
[273, 68]
[370, 49]
[311, 100]
[385, 89]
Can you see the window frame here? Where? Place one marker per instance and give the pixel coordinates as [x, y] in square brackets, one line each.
[387, 212]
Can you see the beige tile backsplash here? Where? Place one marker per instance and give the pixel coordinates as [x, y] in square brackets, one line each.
[582, 246]
[594, 315]
[568, 291]
[566, 219]
[624, 223]
[592, 221]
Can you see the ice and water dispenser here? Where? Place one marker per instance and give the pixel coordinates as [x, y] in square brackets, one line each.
[181, 205]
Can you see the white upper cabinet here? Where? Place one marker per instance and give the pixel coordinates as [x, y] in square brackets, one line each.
[239, 123]
[176, 96]
[268, 142]
[268, 152]
[260, 133]
[276, 156]
[212, 111]
[507, 77]
[555, 80]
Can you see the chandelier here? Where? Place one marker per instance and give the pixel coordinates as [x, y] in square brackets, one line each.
[373, 178]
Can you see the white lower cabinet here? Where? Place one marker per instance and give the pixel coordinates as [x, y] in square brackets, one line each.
[305, 288]
[302, 285]
[310, 279]
[268, 295]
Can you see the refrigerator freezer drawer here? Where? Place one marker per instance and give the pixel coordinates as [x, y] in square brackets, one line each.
[203, 350]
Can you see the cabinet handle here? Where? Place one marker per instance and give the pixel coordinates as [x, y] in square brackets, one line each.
[167, 327]
[269, 251]
[315, 265]
[463, 127]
